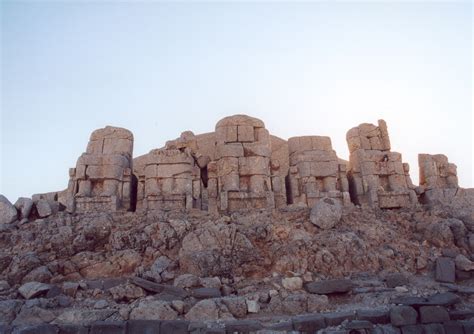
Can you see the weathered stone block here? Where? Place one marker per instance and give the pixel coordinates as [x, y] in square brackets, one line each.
[403, 315]
[309, 323]
[445, 270]
[143, 326]
[229, 150]
[257, 149]
[431, 314]
[108, 327]
[329, 286]
[245, 133]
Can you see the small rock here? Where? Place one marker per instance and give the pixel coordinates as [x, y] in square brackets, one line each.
[317, 303]
[126, 292]
[160, 265]
[70, 288]
[252, 306]
[83, 317]
[204, 293]
[203, 310]
[401, 289]
[186, 281]
[396, 279]
[210, 282]
[101, 304]
[178, 306]
[463, 263]
[292, 283]
[8, 213]
[124, 312]
[236, 305]
[33, 289]
[33, 315]
[4, 286]
[40, 274]
[167, 275]
[326, 213]
[153, 310]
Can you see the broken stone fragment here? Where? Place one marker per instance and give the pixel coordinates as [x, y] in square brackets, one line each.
[33, 289]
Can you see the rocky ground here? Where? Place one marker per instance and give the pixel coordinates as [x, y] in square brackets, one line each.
[266, 268]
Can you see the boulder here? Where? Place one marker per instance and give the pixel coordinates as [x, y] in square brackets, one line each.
[326, 213]
[33, 316]
[24, 206]
[329, 286]
[44, 208]
[463, 263]
[33, 289]
[8, 213]
[203, 310]
[153, 310]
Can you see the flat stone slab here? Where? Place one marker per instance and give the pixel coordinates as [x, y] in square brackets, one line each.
[329, 286]
[159, 288]
[33, 289]
[204, 293]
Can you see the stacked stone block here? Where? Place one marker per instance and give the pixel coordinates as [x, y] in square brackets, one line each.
[102, 179]
[172, 176]
[437, 172]
[378, 177]
[315, 171]
[169, 175]
[241, 176]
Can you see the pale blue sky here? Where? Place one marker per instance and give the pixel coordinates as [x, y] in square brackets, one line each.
[157, 68]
